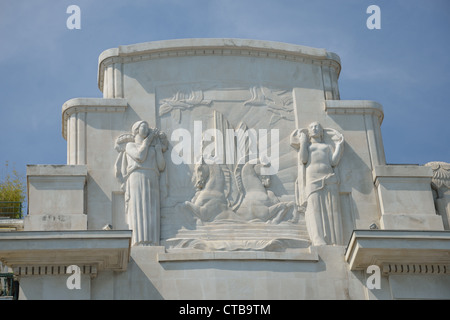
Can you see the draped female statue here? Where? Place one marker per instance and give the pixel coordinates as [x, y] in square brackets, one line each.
[138, 167]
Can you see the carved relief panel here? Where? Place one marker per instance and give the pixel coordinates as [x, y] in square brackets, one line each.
[225, 175]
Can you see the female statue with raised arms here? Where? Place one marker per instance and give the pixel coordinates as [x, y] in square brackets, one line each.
[317, 183]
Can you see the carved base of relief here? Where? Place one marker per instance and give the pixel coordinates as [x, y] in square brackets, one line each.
[238, 236]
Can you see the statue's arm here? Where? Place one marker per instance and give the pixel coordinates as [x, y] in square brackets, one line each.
[138, 153]
[299, 141]
[337, 154]
[160, 162]
[294, 139]
[303, 148]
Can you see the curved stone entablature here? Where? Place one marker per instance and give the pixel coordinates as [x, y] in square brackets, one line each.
[110, 61]
[348, 107]
[85, 105]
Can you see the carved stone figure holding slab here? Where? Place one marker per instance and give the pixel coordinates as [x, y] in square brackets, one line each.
[317, 185]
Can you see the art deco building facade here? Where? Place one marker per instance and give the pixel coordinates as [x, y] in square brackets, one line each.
[229, 169]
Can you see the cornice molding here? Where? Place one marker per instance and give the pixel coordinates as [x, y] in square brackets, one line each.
[77, 105]
[41, 270]
[215, 47]
[400, 251]
[38, 252]
[349, 107]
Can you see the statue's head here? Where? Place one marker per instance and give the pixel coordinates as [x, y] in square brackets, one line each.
[315, 130]
[201, 175]
[140, 128]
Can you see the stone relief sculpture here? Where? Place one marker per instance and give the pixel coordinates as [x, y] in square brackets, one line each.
[234, 207]
[209, 202]
[252, 201]
[255, 221]
[182, 101]
[440, 186]
[441, 174]
[258, 203]
[138, 168]
[278, 102]
[319, 152]
[255, 203]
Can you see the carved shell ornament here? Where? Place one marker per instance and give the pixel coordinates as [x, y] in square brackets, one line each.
[441, 173]
[278, 102]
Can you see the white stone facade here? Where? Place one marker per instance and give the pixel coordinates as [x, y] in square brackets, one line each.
[229, 169]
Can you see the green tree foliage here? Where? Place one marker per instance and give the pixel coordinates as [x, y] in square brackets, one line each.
[12, 193]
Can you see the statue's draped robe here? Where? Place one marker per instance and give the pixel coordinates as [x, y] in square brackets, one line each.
[142, 194]
[322, 210]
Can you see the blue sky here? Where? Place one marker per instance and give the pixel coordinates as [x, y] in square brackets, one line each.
[405, 66]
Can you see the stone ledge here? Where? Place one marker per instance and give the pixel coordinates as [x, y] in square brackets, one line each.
[349, 107]
[106, 250]
[408, 221]
[401, 171]
[398, 247]
[90, 105]
[7, 225]
[53, 170]
[307, 255]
